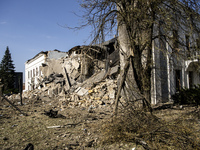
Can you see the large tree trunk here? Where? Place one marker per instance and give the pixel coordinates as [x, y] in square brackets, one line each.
[135, 39]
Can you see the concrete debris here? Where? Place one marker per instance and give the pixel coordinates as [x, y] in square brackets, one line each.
[75, 64]
[81, 91]
[85, 77]
[114, 70]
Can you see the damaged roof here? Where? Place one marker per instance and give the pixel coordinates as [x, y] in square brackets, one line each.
[42, 52]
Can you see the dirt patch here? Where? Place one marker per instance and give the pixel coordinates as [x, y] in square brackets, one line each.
[78, 129]
[81, 128]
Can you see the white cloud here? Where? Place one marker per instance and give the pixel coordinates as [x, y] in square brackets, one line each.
[50, 37]
[3, 22]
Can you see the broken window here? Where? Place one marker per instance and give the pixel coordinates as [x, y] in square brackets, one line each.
[33, 72]
[187, 45]
[40, 72]
[178, 79]
[198, 43]
[187, 42]
[78, 52]
[36, 71]
[175, 39]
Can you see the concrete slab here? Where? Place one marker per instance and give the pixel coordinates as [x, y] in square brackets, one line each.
[81, 91]
[114, 69]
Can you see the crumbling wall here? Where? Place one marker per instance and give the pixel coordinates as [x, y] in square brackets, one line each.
[56, 54]
[52, 66]
[80, 76]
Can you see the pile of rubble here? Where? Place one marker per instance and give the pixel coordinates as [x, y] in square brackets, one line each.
[100, 95]
[96, 91]
[86, 76]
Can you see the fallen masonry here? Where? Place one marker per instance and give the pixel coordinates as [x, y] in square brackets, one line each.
[92, 93]
[85, 77]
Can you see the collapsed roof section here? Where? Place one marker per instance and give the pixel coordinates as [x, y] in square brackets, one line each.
[36, 56]
[87, 60]
[54, 54]
[78, 64]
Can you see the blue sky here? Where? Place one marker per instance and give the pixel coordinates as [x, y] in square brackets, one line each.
[31, 26]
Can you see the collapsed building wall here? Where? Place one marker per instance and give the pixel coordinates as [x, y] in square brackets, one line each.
[78, 71]
[33, 67]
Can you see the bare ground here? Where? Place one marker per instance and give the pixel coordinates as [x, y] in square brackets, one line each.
[80, 129]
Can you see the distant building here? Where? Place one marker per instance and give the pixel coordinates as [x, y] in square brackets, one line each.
[18, 84]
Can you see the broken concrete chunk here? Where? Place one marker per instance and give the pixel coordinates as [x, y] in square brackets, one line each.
[50, 93]
[111, 92]
[101, 93]
[81, 91]
[114, 70]
[75, 98]
[17, 97]
[75, 64]
[68, 66]
[90, 91]
[51, 77]
[94, 79]
[55, 91]
[75, 74]
[45, 89]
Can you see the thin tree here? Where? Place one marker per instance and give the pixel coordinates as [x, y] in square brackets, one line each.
[7, 72]
[139, 23]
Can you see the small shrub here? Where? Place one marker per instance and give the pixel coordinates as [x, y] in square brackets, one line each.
[188, 96]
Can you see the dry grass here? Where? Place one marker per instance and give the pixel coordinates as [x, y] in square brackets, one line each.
[165, 129]
[16, 131]
[21, 130]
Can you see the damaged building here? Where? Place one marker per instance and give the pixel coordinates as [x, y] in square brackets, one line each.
[75, 71]
[175, 59]
[33, 67]
[82, 67]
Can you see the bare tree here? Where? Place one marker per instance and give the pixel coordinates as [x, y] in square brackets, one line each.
[139, 23]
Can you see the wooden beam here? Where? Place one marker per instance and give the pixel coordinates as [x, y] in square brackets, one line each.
[14, 106]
